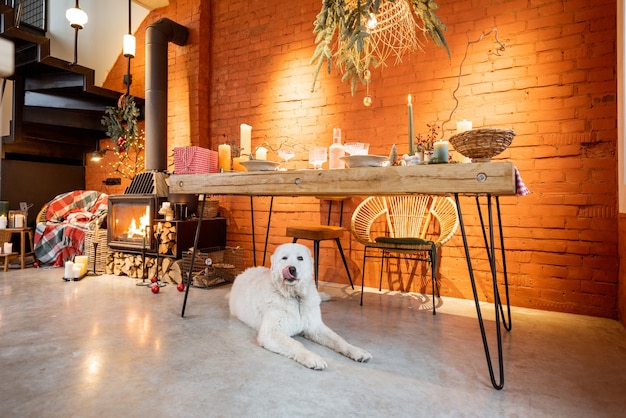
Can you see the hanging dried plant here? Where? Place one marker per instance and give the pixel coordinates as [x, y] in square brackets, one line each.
[342, 33]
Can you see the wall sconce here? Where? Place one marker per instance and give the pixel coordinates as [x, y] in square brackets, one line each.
[99, 154]
[129, 50]
[129, 46]
[77, 19]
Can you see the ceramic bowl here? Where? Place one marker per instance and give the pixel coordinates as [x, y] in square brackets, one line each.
[260, 165]
[353, 161]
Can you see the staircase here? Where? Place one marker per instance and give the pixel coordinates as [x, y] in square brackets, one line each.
[57, 108]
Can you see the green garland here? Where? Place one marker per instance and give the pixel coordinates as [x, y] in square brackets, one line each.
[121, 123]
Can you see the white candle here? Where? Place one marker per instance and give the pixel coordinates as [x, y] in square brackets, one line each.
[465, 125]
[261, 153]
[245, 141]
[69, 270]
[3, 221]
[76, 271]
[18, 220]
[410, 111]
[8, 247]
[441, 151]
[224, 157]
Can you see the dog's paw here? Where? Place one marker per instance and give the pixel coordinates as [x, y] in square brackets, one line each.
[360, 355]
[312, 361]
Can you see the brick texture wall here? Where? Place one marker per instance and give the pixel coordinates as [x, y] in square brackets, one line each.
[555, 85]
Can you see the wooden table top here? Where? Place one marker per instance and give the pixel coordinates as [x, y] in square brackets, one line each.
[496, 178]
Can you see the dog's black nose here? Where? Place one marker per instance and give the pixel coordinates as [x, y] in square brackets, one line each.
[293, 271]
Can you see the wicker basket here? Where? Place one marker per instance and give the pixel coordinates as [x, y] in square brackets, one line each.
[213, 266]
[101, 252]
[482, 144]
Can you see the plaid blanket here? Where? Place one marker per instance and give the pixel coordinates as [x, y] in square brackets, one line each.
[68, 216]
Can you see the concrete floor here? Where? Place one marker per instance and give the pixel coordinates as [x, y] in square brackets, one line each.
[104, 347]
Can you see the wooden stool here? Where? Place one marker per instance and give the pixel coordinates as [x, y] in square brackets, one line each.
[317, 233]
[7, 258]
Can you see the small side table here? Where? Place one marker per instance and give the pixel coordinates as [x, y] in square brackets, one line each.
[22, 254]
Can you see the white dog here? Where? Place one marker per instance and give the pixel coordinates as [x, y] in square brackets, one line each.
[282, 301]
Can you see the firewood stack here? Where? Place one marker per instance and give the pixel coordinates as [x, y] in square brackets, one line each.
[131, 265]
[167, 243]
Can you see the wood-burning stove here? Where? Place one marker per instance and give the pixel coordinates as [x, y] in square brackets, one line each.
[130, 221]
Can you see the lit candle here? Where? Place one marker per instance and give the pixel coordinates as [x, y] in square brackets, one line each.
[261, 153]
[245, 142]
[441, 151]
[410, 110]
[224, 157]
[465, 125]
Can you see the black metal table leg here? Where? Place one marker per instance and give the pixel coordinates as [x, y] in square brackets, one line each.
[253, 237]
[193, 256]
[496, 384]
[506, 319]
[267, 231]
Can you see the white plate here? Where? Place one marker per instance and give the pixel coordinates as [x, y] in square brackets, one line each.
[260, 165]
[353, 161]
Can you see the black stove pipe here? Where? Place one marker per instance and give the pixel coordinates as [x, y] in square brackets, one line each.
[158, 35]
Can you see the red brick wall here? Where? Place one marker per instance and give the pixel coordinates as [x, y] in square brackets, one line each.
[554, 85]
[621, 299]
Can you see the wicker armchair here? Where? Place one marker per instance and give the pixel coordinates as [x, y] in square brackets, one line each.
[414, 226]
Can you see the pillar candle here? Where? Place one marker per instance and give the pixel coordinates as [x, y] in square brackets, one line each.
[81, 259]
[441, 151]
[237, 164]
[3, 221]
[19, 220]
[76, 271]
[261, 153]
[410, 111]
[224, 157]
[245, 140]
[8, 247]
[69, 270]
[465, 125]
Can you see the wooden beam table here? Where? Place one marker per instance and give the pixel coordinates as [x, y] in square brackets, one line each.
[497, 179]
[490, 180]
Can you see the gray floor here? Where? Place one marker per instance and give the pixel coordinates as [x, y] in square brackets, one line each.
[105, 347]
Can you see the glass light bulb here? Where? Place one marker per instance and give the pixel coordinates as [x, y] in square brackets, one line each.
[371, 21]
[76, 17]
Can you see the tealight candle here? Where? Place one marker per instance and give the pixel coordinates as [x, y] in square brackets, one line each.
[224, 157]
[441, 151]
[462, 126]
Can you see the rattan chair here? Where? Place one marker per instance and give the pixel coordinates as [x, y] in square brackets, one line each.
[414, 226]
